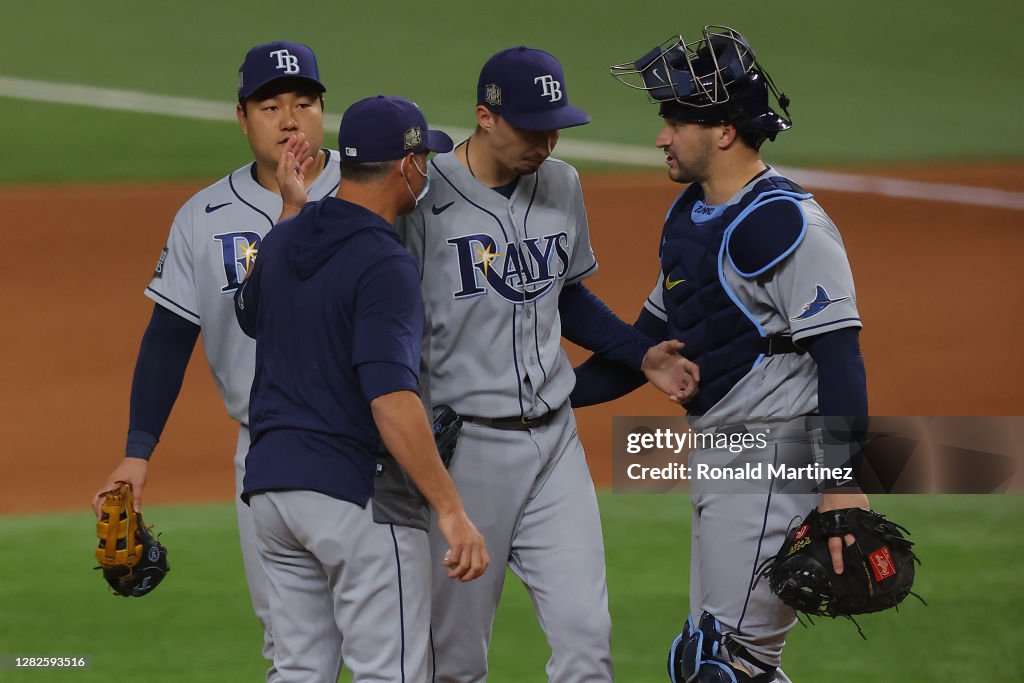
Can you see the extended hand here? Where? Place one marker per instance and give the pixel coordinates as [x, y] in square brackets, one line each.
[131, 470]
[467, 557]
[674, 375]
[291, 175]
[839, 501]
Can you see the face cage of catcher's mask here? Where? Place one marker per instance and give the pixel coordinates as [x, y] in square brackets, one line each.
[709, 89]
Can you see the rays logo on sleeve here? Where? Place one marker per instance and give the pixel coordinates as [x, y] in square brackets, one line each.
[819, 303]
[239, 250]
[518, 273]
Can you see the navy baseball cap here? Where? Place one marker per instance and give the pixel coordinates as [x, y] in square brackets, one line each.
[281, 59]
[384, 128]
[527, 87]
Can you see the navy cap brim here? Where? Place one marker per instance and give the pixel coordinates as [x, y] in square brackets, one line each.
[251, 91]
[437, 141]
[550, 119]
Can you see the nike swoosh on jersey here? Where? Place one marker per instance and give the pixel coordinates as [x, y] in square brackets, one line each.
[211, 209]
[438, 210]
[669, 284]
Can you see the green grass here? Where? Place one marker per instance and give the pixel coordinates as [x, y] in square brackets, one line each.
[873, 81]
[115, 145]
[198, 626]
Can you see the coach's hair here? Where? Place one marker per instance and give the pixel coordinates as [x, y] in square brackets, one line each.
[364, 172]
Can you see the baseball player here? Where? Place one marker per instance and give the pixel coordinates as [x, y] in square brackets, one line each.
[334, 306]
[502, 241]
[215, 236]
[755, 280]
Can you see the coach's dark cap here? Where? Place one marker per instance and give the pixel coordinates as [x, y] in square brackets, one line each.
[384, 128]
[281, 59]
[527, 87]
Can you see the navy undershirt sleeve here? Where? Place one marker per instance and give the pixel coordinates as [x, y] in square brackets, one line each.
[164, 353]
[587, 322]
[842, 395]
[599, 379]
[842, 381]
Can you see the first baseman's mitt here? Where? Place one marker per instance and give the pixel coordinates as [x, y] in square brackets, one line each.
[447, 424]
[878, 568]
[132, 559]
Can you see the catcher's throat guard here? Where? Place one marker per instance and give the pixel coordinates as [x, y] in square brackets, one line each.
[714, 79]
[133, 561]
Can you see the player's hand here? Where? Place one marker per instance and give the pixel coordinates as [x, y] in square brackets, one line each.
[291, 175]
[467, 557]
[669, 371]
[837, 500]
[131, 470]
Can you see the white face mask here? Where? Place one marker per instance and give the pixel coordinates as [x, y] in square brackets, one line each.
[426, 186]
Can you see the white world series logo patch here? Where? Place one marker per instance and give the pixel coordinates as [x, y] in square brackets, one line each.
[286, 61]
[550, 88]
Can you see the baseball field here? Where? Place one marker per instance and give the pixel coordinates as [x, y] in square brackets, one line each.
[116, 112]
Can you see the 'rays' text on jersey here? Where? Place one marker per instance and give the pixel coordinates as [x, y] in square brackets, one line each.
[239, 250]
[519, 273]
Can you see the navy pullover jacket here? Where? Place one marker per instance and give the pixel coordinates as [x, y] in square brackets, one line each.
[334, 305]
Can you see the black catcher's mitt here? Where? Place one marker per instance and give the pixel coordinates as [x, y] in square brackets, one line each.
[447, 424]
[132, 559]
[878, 569]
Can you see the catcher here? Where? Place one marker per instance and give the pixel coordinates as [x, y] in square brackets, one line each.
[133, 561]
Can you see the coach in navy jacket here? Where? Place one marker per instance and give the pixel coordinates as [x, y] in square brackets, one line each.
[334, 305]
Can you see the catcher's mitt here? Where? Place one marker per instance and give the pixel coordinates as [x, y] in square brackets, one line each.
[132, 559]
[878, 568]
[447, 424]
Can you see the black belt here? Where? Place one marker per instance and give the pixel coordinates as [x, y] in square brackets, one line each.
[777, 344]
[510, 422]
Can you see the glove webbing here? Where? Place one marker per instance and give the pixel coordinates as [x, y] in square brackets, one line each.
[118, 513]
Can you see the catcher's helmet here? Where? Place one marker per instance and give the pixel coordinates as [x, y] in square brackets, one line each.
[716, 79]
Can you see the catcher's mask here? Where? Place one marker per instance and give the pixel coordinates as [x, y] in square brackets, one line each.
[716, 79]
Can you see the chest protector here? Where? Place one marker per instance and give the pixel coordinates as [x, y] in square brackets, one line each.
[722, 336]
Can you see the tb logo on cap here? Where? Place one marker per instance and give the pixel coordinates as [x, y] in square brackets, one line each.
[551, 88]
[288, 62]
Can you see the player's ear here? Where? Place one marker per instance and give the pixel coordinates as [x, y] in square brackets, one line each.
[726, 135]
[243, 120]
[485, 118]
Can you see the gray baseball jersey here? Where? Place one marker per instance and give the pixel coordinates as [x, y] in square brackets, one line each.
[492, 271]
[809, 293]
[215, 236]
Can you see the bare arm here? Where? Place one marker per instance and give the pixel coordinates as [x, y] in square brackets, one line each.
[403, 426]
